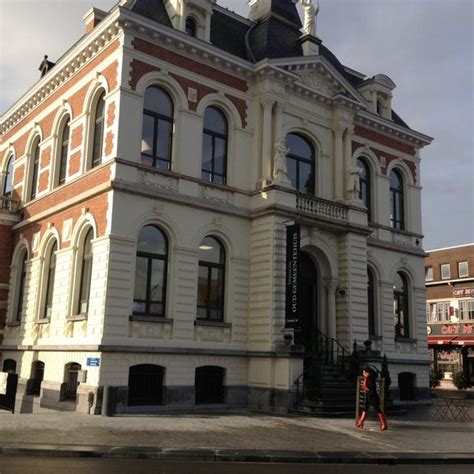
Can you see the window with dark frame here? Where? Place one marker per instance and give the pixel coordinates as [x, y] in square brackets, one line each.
[35, 168]
[157, 129]
[191, 26]
[365, 184]
[214, 146]
[37, 375]
[209, 385]
[150, 273]
[145, 385]
[8, 178]
[211, 278]
[98, 141]
[64, 153]
[397, 218]
[71, 380]
[400, 306]
[300, 163]
[86, 274]
[48, 303]
[371, 301]
[21, 287]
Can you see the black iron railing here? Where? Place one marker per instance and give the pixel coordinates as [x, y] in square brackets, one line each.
[327, 351]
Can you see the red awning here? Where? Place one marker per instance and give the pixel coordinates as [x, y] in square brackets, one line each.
[453, 341]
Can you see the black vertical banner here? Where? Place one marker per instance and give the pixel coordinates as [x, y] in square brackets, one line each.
[292, 273]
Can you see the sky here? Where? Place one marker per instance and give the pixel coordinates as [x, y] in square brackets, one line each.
[425, 46]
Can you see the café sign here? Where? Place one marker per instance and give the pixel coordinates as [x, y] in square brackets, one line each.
[460, 292]
[451, 329]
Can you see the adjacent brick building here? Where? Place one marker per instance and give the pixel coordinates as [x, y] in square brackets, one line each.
[149, 179]
[449, 275]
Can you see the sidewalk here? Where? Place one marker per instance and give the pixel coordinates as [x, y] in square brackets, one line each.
[239, 436]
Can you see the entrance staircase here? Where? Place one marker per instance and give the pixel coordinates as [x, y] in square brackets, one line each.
[327, 388]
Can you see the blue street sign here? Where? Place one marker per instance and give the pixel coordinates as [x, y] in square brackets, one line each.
[93, 361]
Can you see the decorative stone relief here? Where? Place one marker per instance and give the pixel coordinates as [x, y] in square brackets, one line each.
[69, 329]
[163, 183]
[35, 241]
[67, 229]
[401, 239]
[216, 196]
[211, 334]
[142, 330]
[319, 83]
[192, 94]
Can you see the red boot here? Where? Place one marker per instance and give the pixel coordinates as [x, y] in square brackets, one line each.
[360, 421]
[383, 422]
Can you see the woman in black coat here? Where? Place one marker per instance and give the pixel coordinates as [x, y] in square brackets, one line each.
[371, 399]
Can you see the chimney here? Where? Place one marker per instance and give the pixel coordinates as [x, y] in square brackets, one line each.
[92, 18]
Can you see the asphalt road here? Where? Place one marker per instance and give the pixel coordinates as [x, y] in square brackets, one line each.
[51, 465]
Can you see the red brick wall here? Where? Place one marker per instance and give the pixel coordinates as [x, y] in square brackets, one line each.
[451, 256]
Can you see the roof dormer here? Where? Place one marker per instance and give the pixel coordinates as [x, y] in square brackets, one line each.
[378, 92]
[191, 16]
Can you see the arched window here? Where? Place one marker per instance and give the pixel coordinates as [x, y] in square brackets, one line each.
[8, 178]
[190, 26]
[50, 277]
[300, 163]
[371, 302]
[145, 385]
[379, 107]
[157, 130]
[397, 219]
[365, 184]
[20, 280]
[150, 274]
[401, 305]
[97, 144]
[37, 373]
[211, 280]
[209, 385]
[35, 159]
[64, 143]
[214, 146]
[86, 273]
[71, 381]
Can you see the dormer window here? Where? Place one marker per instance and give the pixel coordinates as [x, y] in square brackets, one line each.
[191, 26]
[379, 107]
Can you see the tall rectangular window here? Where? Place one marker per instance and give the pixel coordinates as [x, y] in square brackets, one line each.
[429, 274]
[466, 310]
[445, 271]
[463, 270]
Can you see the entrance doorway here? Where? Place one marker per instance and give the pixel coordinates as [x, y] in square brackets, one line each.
[308, 304]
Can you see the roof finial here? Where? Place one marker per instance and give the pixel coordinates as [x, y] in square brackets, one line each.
[310, 17]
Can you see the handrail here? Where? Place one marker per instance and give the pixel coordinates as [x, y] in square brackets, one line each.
[9, 204]
[321, 207]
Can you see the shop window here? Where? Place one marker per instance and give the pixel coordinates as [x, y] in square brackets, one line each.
[463, 270]
[406, 386]
[34, 163]
[8, 178]
[445, 271]
[466, 309]
[397, 217]
[37, 374]
[63, 152]
[214, 146]
[98, 131]
[71, 381]
[150, 272]
[300, 163]
[365, 186]
[401, 305]
[9, 366]
[157, 129]
[429, 274]
[145, 385]
[209, 385]
[86, 274]
[211, 280]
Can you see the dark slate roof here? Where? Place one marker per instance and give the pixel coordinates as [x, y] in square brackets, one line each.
[228, 34]
[153, 9]
[398, 120]
[287, 9]
[272, 38]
